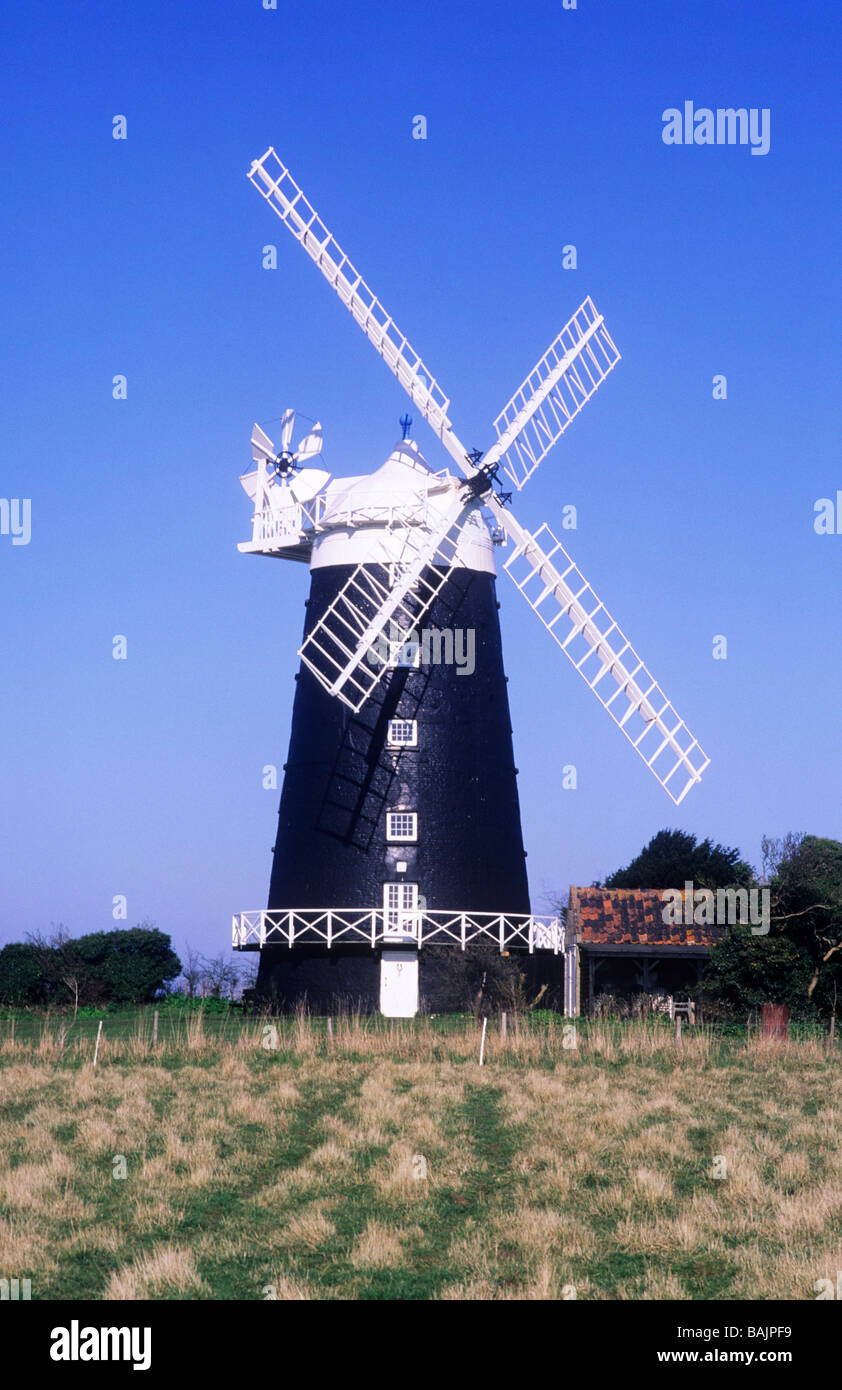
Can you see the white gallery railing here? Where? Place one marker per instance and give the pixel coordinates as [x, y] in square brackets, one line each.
[376, 926]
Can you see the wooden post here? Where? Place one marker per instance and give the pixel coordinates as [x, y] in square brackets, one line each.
[98, 1036]
[774, 1021]
[482, 1042]
[155, 1030]
[504, 1026]
[833, 1027]
[678, 1028]
[330, 1027]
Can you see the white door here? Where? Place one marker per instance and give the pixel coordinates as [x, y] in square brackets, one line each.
[399, 984]
[401, 919]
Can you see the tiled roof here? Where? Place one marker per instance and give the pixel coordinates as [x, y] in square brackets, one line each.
[630, 917]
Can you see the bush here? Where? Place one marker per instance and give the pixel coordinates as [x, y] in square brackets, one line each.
[629, 1005]
[21, 980]
[131, 967]
[478, 979]
[746, 971]
[117, 967]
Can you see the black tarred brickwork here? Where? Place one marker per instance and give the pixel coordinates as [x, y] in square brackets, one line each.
[340, 780]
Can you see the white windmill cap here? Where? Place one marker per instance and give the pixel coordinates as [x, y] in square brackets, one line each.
[359, 522]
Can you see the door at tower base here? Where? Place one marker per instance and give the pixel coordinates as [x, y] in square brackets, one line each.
[399, 984]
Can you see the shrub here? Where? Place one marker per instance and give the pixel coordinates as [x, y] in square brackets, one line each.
[21, 979]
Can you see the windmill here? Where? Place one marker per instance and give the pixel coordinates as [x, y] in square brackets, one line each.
[280, 485]
[399, 804]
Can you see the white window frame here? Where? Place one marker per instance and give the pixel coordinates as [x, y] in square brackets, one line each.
[410, 742]
[401, 917]
[395, 837]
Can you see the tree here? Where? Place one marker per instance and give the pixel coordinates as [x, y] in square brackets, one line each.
[220, 976]
[478, 979]
[135, 966]
[806, 887]
[672, 857]
[69, 965]
[249, 970]
[130, 966]
[773, 851]
[21, 978]
[192, 972]
[799, 962]
[216, 976]
[61, 966]
[745, 971]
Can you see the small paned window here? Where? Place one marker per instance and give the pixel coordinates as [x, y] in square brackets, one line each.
[403, 733]
[401, 826]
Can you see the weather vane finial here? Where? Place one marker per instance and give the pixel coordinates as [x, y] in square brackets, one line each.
[406, 425]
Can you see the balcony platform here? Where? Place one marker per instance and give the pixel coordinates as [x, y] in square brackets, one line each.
[376, 927]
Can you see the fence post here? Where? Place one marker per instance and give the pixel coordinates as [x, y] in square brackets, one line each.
[678, 1028]
[98, 1036]
[504, 1026]
[774, 1021]
[330, 1027]
[155, 1030]
[482, 1042]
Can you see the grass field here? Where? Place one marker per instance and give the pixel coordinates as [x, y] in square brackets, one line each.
[385, 1163]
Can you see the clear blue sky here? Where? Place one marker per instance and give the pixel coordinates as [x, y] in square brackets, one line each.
[143, 257]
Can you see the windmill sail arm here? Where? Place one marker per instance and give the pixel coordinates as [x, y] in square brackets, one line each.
[344, 650]
[559, 385]
[284, 196]
[556, 590]
[348, 650]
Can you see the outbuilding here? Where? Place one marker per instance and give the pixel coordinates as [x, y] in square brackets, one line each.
[621, 941]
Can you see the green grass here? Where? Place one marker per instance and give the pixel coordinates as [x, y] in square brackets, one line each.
[293, 1172]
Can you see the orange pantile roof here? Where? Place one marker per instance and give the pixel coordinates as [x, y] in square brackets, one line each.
[631, 917]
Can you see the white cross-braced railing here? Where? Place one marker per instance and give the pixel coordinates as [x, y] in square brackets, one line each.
[377, 926]
[275, 527]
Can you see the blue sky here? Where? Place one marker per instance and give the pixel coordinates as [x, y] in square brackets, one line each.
[143, 257]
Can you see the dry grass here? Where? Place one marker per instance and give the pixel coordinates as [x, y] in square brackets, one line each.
[377, 1247]
[385, 1163]
[166, 1269]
